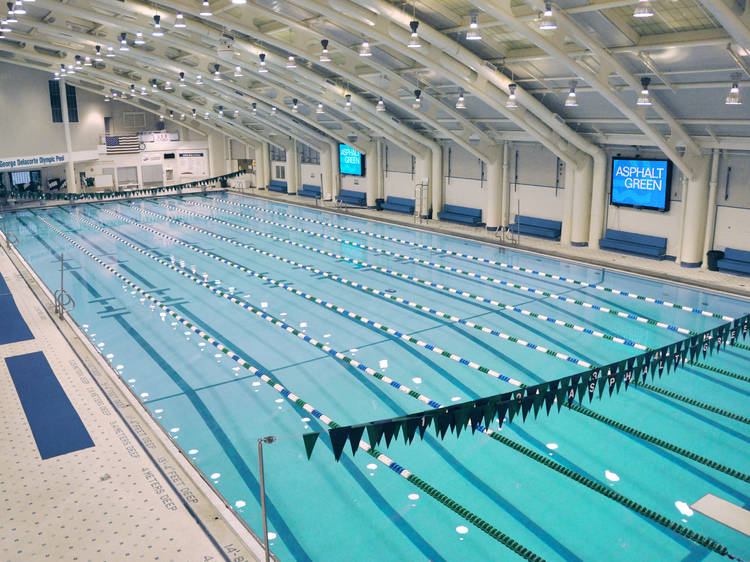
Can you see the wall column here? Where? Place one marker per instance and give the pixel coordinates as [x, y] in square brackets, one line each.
[708, 243]
[581, 208]
[505, 191]
[335, 176]
[326, 183]
[437, 181]
[380, 179]
[266, 156]
[70, 172]
[372, 170]
[493, 203]
[695, 199]
[217, 158]
[293, 167]
[567, 218]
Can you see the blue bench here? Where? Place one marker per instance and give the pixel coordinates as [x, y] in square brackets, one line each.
[632, 243]
[464, 215]
[309, 191]
[399, 205]
[532, 226]
[352, 197]
[735, 261]
[277, 185]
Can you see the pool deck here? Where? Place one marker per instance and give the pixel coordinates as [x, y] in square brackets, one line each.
[666, 270]
[132, 495]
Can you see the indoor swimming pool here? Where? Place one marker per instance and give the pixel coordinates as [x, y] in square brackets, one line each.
[233, 317]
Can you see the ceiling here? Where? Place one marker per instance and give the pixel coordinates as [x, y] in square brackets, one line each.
[690, 50]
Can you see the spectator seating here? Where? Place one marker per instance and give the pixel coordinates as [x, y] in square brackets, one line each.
[309, 191]
[735, 261]
[349, 197]
[532, 226]
[277, 185]
[464, 215]
[632, 243]
[399, 205]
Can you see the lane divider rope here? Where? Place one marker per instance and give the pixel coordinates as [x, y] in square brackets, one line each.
[555, 354]
[388, 462]
[592, 484]
[451, 269]
[502, 335]
[487, 261]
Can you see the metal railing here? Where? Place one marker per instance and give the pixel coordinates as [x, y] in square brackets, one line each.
[63, 301]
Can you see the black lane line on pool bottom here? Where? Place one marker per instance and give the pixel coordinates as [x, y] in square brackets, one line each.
[133, 434]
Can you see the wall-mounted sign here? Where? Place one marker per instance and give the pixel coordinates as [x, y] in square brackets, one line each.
[28, 161]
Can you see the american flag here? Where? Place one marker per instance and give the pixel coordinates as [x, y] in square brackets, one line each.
[123, 145]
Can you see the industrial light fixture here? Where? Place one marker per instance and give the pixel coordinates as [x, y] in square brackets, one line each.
[98, 55]
[217, 74]
[132, 89]
[205, 12]
[239, 2]
[320, 109]
[154, 87]
[644, 98]
[643, 9]
[461, 101]
[179, 21]
[106, 98]
[733, 98]
[143, 91]
[380, 106]
[547, 22]
[87, 61]
[139, 38]
[199, 80]
[78, 62]
[348, 102]
[171, 114]
[157, 32]
[113, 93]
[124, 42]
[324, 53]
[236, 113]
[221, 111]
[18, 9]
[417, 99]
[205, 115]
[110, 51]
[473, 33]
[414, 38]
[182, 80]
[168, 86]
[195, 114]
[71, 69]
[511, 102]
[262, 63]
[254, 110]
[571, 100]
[238, 72]
[11, 18]
[63, 71]
[161, 117]
[295, 105]
[182, 116]
[273, 110]
[364, 49]
[290, 63]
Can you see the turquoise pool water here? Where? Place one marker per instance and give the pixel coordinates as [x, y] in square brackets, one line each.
[294, 268]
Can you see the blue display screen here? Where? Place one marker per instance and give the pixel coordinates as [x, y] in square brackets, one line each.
[641, 183]
[351, 161]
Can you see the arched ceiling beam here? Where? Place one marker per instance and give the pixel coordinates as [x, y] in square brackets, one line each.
[554, 45]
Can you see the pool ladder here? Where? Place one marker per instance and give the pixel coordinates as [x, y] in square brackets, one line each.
[63, 301]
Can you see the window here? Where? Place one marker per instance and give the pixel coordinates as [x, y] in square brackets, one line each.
[277, 154]
[54, 101]
[280, 172]
[309, 155]
[127, 176]
[70, 95]
[133, 120]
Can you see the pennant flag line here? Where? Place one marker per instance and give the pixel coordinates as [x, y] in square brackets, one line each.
[481, 412]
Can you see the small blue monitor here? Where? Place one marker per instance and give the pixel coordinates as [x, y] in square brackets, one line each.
[641, 183]
[351, 161]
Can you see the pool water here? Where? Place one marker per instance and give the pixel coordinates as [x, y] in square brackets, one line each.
[152, 279]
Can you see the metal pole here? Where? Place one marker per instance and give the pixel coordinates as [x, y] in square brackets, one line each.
[269, 439]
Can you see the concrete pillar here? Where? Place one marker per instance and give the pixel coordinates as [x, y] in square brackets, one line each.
[437, 180]
[380, 179]
[599, 203]
[372, 170]
[335, 176]
[292, 167]
[70, 173]
[326, 180]
[505, 195]
[493, 203]
[266, 156]
[581, 209]
[217, 156]
[567, 218]
[708, 243]
[695, 198]
[422, 172]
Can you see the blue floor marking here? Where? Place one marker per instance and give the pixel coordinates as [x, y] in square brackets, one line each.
[13, 327]
[53, 420]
